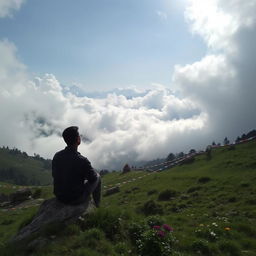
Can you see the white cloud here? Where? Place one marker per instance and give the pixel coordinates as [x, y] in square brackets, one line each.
[216, 98]
[223, 82]
[8, 6]
[119, 129]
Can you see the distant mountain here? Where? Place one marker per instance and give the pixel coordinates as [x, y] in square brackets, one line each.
[18, 168]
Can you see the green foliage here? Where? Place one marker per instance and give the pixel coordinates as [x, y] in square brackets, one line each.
[17, 167]
[108, 220]
[201, 247]
[167, 194]
[204, 179]
[151, 207]
[37, 193]
[155, 220]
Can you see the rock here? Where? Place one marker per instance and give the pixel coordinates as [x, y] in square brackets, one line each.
[112, 191]
[4, 198]
[53, 211]
[20, 195]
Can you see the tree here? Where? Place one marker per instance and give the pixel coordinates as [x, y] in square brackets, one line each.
[126, 168]
[192, 151]
[213, 143]
[170, 157]
[226, 141]
[181, 154]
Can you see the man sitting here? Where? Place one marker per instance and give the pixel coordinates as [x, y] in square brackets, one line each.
[74, 179]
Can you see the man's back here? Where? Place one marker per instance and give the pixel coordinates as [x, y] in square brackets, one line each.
[69, 170]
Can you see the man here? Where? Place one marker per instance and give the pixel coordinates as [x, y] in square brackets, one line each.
[74, 179]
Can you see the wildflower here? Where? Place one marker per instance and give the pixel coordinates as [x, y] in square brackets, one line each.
[161, 233]
[201, 225]
[167, 227]
[156, 227]
[215, 224]
[212, 233]
[227, 228]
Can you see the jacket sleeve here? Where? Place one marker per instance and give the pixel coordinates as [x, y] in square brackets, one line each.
[89, 173]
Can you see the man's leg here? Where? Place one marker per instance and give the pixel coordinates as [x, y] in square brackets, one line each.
[95, 190]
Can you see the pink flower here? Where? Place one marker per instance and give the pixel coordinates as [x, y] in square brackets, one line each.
[161, 233]
[156, 227]
[167, 228]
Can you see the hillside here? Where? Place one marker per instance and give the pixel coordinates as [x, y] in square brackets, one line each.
[209, 206]
[18, 168]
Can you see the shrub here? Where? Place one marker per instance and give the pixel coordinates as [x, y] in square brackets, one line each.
[157, 240]
[193, 189]
[167, 194]
[121, 249]
[151, 208]
[37, 193]
[155, 220]
[204, 179]
[135, 230]
[107, 220]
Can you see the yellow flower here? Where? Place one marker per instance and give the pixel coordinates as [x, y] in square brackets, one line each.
[227, 228]
[201, 225]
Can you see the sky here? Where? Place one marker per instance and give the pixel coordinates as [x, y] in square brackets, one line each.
[141, 79]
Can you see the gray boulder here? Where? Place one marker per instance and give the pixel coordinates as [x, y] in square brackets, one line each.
[53, 211]
[20, 195]
[4, 198]
[112, 191]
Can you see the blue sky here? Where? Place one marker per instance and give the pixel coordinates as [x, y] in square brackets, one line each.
[103, 44]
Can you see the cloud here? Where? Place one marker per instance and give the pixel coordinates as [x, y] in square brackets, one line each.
[118, 129]
[8, 6]
[210, 99]
[222, 82]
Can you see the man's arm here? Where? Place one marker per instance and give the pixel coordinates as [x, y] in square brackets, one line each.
[90, 174]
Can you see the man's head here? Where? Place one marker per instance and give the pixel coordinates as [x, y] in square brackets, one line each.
[71, 136]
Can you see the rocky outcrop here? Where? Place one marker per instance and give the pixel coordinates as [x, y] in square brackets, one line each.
[112, 191]
[53, 211]
[20, 195]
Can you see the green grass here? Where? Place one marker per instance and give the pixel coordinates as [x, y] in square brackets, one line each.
[210, 204]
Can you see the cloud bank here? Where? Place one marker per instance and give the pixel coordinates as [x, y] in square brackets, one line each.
[8, 6]
[210, 99]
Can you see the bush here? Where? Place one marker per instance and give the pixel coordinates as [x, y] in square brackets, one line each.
[155, 221]
[204, 179]
[193, 189]
[151, 208]
[167, 195]
[37, 193]
[107, 220]
[156, 241]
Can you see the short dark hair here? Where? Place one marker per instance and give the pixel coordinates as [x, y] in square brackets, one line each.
[70, 135]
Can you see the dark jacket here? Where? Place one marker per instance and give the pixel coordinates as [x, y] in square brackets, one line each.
[70, 170]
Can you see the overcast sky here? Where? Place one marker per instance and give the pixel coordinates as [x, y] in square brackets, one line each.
[140, 78]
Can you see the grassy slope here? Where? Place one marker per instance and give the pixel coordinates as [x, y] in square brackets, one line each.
[228, 200]
[29, 167]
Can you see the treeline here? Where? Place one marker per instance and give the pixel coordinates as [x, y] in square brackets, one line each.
[15, 176]
[17, 167]
[47, 163]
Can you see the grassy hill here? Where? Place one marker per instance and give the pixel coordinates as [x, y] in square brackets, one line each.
[209, 207]
[17, 167]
